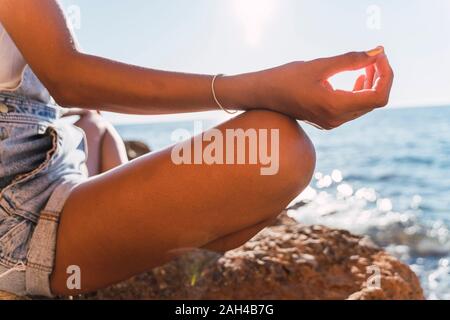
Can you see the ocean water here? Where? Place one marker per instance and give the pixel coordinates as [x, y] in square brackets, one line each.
[386, 175]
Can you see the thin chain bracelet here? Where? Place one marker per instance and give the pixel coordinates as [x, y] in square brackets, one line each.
[215, 96]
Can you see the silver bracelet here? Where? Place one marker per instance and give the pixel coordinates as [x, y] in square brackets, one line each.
[215, 96]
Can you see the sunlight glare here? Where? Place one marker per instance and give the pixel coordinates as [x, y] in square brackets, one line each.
[254, 15]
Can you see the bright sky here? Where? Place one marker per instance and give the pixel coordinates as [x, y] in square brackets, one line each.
[233, 36]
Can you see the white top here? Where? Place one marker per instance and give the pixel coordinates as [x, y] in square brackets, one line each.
[12, 64]
[15, 75]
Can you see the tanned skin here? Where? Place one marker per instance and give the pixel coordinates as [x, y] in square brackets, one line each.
[134, 217]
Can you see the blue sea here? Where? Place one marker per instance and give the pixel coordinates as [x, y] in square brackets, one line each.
[386, 175]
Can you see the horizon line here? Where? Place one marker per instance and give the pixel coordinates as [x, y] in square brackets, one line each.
[215, 115]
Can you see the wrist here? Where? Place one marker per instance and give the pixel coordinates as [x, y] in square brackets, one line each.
[239, 92]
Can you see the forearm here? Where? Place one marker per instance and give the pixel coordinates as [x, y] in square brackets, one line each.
[40, 32]
[94, 82]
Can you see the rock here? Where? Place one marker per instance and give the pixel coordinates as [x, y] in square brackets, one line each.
[136, 149]
[286, 261]
[9, 296]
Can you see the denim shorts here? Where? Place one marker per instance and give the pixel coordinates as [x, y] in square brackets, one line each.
[41, 160]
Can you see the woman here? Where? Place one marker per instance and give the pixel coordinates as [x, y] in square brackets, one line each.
[134, 217]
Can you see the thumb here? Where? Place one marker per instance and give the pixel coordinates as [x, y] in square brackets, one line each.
[350, 61]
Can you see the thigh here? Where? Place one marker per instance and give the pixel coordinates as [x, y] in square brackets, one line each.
[129, 219]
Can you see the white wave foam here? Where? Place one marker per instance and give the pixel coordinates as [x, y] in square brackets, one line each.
[363, 212]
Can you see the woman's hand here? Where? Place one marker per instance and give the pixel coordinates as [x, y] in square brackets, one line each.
[302, 89]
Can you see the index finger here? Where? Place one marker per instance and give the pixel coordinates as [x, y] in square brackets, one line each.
[385, 79]
[369, 98]
[349, 61]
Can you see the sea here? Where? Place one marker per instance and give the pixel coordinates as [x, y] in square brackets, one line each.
[386, 175]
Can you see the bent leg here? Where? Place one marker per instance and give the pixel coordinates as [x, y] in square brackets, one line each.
[113, 151]
[106, 150]
[238, 238]
[128, 220]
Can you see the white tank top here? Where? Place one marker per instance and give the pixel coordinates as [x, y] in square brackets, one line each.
[15, 75]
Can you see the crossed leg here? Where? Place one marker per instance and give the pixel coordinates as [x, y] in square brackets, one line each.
[130, 219]
[105, 147]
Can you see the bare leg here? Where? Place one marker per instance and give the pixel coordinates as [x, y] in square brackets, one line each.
[238, 238]
[113, 152]
[106, 149]
[130, 219]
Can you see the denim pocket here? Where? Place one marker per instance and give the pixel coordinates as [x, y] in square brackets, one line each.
[22, 151]
[24, 162]
[15, 242]
[61, 152]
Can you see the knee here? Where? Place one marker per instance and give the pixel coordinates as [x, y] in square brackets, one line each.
[92, 123]
[296, 153]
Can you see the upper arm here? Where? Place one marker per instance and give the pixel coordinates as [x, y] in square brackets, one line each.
[40, 32]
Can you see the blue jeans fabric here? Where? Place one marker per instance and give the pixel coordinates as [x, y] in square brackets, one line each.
[41, 160]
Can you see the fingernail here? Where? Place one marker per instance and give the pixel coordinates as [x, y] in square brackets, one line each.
[375, 52]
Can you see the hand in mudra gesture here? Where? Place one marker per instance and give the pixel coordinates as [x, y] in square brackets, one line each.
[302, 89]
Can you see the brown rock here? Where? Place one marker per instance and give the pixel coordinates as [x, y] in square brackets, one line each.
[9, 296]
[286, 261]
[135, 149]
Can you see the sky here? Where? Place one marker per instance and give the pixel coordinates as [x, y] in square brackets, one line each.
[234, 36]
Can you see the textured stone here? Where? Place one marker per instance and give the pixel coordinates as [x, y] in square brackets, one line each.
[9, 296]
[286, 261]
[136, 149]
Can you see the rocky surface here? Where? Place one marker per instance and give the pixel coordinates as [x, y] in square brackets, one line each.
[286, 261]
[8, 296]
[136, 149]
